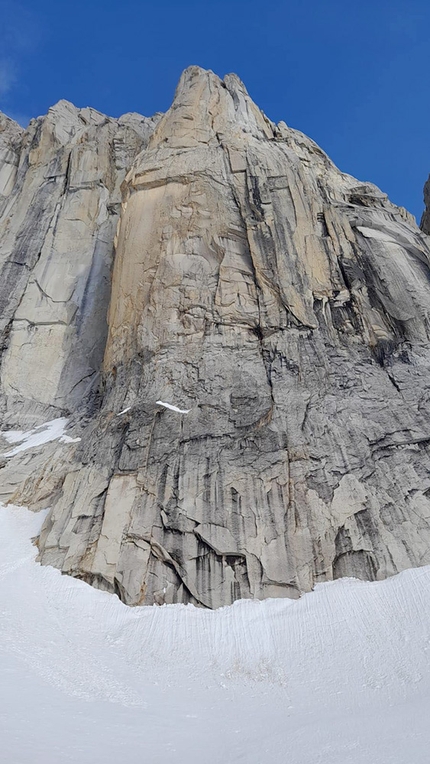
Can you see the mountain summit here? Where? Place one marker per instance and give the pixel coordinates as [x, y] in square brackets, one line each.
[214, 353]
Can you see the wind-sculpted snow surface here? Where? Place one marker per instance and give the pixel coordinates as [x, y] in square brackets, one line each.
[341, 676]
[260, 420]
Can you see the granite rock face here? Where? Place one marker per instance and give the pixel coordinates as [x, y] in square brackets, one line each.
[59, 203]
[425, 219]
[279, 307]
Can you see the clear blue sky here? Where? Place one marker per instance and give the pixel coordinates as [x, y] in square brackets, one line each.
[352, 75]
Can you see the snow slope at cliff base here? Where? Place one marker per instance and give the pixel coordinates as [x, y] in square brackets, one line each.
[341, 676]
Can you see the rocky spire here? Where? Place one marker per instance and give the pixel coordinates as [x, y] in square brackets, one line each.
[263, 417]
[425, 219]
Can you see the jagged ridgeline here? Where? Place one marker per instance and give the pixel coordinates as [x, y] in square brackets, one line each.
[237, 332]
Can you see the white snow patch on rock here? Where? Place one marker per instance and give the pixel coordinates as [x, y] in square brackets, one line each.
[173, 408]
[43, 433]
[124, 411]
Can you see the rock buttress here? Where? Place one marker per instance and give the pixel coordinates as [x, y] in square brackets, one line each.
[284, 306]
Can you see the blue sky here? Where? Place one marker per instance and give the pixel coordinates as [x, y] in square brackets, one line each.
[353, 76]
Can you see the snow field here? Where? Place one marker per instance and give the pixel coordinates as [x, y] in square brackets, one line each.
[341, 676]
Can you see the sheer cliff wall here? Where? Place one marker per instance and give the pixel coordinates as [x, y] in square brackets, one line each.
[278, 306]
